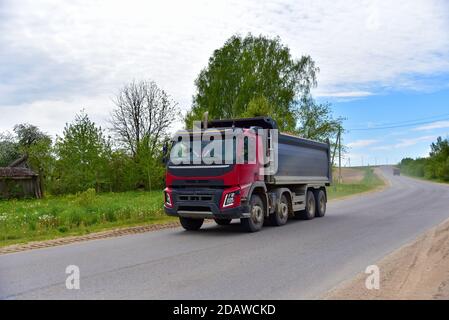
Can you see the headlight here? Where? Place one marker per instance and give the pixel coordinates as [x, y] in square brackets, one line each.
[229, 199]
[167, 199]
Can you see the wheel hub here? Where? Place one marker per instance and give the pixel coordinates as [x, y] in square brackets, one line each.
[257, 214]
[283, 211]
[311, 206]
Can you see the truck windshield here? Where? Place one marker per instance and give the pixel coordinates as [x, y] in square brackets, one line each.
[211, 152]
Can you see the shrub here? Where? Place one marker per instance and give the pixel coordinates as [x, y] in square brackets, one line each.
[86, 198]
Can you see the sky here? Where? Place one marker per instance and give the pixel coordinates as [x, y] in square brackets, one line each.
[382, 63]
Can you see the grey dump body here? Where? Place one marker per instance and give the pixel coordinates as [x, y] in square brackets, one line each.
[303, 165]
[302, 161]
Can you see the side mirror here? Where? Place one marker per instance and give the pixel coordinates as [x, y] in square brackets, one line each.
[165, 153]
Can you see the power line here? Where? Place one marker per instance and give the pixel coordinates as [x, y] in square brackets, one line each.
[397, 126]
[407, 123]
[434, 118]
[420, 119]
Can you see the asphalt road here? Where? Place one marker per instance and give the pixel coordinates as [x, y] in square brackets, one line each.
[303, 259]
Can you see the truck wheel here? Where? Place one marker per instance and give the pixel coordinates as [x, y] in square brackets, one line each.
[257, 215]
[223, 222]
[310, 211]
[321, 204]
[190, 223]
[280, 216]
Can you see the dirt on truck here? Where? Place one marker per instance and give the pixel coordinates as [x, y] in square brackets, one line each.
[245, 169]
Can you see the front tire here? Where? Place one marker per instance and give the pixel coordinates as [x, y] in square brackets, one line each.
[257, 215]
[191, 224]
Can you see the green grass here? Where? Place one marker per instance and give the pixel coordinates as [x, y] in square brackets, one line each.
[53, 217]
[369, 183]
[60, 216]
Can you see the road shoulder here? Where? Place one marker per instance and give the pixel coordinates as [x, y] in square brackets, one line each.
[88, 237]
[419, 270]
[382, 187]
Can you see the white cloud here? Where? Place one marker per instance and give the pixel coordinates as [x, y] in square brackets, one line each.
[433, 126]
[347, 94]
[57, 52]
[362, 143]
[52, 115]
[413, 141]
[383, 148]
[404, 143]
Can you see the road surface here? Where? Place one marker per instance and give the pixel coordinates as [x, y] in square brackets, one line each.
[301, 260]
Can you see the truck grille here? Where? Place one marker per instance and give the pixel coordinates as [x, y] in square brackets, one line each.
[196, 197]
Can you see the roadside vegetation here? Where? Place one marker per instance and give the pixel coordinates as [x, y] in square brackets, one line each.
[86, 212]
[435, 167]
[369, 182]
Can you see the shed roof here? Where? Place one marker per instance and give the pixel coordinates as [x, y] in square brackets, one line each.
[16, 172]
[19, 162]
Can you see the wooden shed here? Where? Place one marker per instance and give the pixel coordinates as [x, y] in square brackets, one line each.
[19, 181]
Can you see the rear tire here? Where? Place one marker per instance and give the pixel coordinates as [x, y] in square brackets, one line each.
[191, 224]
[321, 203]
[257, 215]
[310, 211]
[223, 222]
[280, 216]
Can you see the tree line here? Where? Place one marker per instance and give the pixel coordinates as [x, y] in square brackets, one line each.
[86, 157]
[247, 77]
[434, 167]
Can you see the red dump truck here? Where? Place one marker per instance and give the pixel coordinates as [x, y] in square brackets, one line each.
[279, 176]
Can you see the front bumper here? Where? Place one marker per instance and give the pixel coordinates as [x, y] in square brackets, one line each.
[203, 209]
[233, 213]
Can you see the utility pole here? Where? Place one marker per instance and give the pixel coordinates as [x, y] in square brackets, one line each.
[340, 177]
[335, 151]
